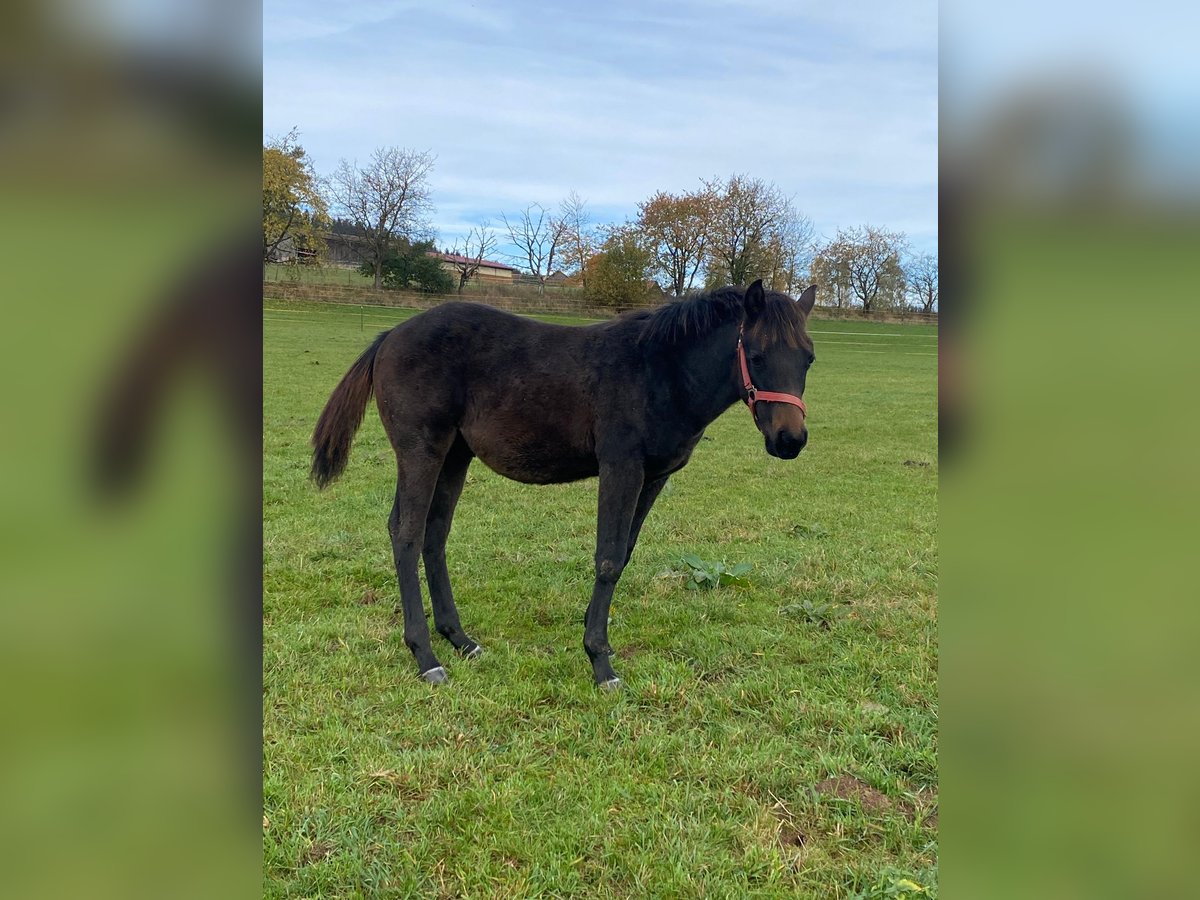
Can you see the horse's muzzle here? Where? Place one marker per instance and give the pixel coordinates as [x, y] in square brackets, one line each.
[785, 445]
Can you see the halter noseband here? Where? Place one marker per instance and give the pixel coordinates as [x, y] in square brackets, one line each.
[753, 394]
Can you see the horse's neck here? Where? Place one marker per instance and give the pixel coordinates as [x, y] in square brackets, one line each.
[707, 370]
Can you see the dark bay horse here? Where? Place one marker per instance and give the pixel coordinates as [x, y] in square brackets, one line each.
[627, 400]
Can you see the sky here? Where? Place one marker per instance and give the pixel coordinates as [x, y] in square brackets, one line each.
[524, 101]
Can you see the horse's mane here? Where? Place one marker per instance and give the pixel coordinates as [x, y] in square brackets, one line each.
[780, 322]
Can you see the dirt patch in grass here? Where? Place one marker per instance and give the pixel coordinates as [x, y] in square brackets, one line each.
[716, 675]
[780, 825]
[315, 853]
[748, 789]
[791, 837]
[846, 787]
[402, 784]
[369, 598]
[789, 834]
[631, 651]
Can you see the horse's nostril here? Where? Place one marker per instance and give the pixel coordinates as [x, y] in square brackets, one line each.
[790, 441]
[787, 445]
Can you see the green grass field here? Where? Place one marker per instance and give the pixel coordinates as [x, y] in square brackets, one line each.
[317, 275]
[777, 739]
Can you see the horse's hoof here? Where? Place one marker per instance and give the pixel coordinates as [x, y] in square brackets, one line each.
[474, 653]
[436, 675]
[612, 684]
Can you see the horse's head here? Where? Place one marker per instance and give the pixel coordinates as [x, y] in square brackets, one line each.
[778, 352]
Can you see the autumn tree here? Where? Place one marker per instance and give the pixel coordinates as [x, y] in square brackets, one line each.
[748, 216]
[386, 199]
[538, 236]
[829, 272]
[471, 252]
[618, 273]
[294, 210]
[676, 229]
[863, 265]
[579, 238]
[923, 281]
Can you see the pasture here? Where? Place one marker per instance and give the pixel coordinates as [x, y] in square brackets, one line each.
[777, 738]
[317, 275]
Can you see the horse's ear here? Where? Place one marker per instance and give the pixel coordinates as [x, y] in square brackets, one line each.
[807, 299]
[754, 300]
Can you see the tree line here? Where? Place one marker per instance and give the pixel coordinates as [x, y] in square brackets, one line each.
[729, 230]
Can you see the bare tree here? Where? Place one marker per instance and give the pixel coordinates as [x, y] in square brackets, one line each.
[923, 281]
[789, 252]
[831, 275]
[538, 235]
[874, 265]
[748, 215]
[470, 254]
[865, 262]
[387, 198]
[579, 239]
[676, 227]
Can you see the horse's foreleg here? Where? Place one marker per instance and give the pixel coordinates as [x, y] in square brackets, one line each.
[620, 487]
[437, 529]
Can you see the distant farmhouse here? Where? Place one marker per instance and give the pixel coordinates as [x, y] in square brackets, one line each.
[487, 273]
[340, 252]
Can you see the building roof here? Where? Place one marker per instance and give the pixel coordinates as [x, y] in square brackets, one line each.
[454, 258]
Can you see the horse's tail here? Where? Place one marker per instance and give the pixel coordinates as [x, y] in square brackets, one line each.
[341, 417]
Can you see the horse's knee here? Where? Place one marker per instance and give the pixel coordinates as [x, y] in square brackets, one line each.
[609, 570]
[406, 546]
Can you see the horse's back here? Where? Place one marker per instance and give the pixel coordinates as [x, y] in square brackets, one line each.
[476, 344]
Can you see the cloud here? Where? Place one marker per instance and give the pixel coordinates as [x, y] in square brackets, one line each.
[525, 102]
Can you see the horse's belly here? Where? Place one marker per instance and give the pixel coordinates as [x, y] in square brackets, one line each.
[529, 458]
[533, 468]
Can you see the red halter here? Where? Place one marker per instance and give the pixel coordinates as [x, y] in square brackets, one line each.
[754, 395]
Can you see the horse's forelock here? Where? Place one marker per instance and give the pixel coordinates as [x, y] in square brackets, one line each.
[781, 322]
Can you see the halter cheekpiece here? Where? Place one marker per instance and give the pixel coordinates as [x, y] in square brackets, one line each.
[753, 394]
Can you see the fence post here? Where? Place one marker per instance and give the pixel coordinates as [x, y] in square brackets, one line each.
[360, 317]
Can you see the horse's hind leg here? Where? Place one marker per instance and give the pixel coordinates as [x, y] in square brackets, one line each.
[416, 477]
[437, 529]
